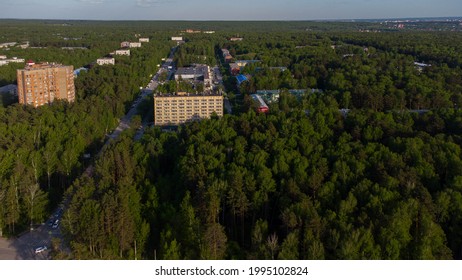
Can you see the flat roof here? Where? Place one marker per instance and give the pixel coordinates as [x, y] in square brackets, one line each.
[186, 94]
[241, 78]
[200, 70]
[39, 66]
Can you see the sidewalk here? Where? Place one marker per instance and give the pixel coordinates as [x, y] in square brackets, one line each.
[7, 251]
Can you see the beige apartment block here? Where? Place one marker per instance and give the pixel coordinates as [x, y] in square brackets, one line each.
[40, 84]
[179, 108]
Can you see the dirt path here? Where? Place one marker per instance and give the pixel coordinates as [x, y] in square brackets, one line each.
[7, 251]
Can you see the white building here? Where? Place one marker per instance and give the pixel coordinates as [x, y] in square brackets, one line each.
[2, 56]
[177, 38]
[122, 52]
[125, 44]
[143, 40]
[135, 45]
[106, 61]
[9, 44]
[5, 61]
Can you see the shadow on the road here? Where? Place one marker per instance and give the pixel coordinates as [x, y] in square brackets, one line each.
[25, 244]
[8, 250]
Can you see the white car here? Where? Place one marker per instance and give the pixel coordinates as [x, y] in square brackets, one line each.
[40, 249]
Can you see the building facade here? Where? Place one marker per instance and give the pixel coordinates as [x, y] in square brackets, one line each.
[6, 61]
[106, 61]
[122, 52]
[180, 108]
[135, 45]
[40, 84]
[143, 40]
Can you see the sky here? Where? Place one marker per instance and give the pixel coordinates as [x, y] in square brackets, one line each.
[227, 9]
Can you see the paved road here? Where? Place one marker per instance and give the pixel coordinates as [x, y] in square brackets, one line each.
[219, 82]
[167, 66]
[7, 250]
[23, 247]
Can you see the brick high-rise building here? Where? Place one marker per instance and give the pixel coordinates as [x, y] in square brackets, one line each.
[40, 84]
[179, 108]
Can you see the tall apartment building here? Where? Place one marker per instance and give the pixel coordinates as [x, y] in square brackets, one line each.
[40, 84]
[182, 107]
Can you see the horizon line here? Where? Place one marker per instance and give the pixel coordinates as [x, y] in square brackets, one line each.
[253, 20]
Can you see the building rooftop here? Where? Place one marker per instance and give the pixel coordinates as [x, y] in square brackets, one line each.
[273, 95]
[183, 94]
[196, 70]
[45, 65]
[189, 71]
[241, 78]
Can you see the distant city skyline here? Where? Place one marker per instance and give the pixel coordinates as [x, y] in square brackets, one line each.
[227, 10]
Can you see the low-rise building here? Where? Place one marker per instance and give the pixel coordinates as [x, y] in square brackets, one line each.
[421, 66]
[7, 45]
[24, 46]
[228, 58]
[135, 45]
[243, 63]
[225, 52]
[234, 69]
[241, 78]
[271, 96]
[6, 61]
[177, 38]
[235, 39]
[122, 52]
[181, 107]
[260, 104]
[143, 40]
[3, 56]
[192, 31]
[106, 61]
[194, 72]
[125, 44]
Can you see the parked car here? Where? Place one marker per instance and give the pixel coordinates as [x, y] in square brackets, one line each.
[40, 249]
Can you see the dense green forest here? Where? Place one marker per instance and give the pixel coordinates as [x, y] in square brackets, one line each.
[41, 150]
[302, 182]
[284, 185]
